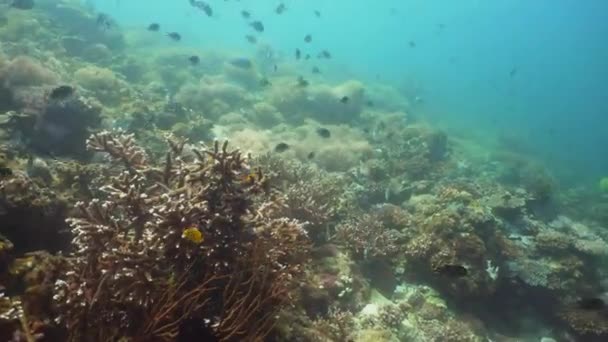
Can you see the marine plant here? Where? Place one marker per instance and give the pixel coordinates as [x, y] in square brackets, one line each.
[183, 246]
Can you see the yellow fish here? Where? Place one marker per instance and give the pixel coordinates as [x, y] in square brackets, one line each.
[193, 234]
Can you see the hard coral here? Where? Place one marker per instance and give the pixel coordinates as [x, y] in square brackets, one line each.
[320, 102]
[103, 82]
[366, 236]
[24, 71]
[312, 195]
[212, 96]
[132, 275]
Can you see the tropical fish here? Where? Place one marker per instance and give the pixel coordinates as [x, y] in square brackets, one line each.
[154, 27]
[203, 6]
[302, 82]
[323, 132]
[61, 92]
[591, 304]
[175, 36]
[344, 99]
[281, 147]
[317, 13]
[280, 8]
[104, 21]
[194, 60]
[264, 82]
[315, 70]
[308, 38]
[193, 234]
[452, 271]
[298, 54]
[311, 155]
[245, 14]
[324, 54]
[257, 25]
[252, 39]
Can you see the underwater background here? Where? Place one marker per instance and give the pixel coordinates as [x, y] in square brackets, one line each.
[553, 104]
[239, 170]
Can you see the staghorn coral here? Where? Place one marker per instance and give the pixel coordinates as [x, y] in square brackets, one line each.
[366, 236]
[133, 275]
[588, 325]
[312, 195]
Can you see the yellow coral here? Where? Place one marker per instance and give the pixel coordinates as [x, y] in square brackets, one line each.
[193, 234]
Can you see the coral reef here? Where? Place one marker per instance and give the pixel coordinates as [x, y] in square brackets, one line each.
[370, 225]
[134, 274]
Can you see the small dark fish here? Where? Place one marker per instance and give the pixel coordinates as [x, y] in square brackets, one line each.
[23, 4]
[308, 38]
[275, 68]
[298, 54]
[452, 271]
[513, 72]
[317, 13]
[344, 99]
[591, 304]
[311, 155]
[203, 6]
[62, 92]
[264, 82]
[323, 132]
[104, 21]
[412, 44]
[316, 70]
[245, 14]
[174, 36]
[369, 103]
[208, 10]
[257, 25]
[281, 147]
[154, 27]
[251, 39]
[281, 8]
[324, 54]
[243, 63]
[194, 60]
[5, 171]
[302, 82]
[307, 57]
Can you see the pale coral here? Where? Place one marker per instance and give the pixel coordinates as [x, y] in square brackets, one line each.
[24, 71]
[103, 82]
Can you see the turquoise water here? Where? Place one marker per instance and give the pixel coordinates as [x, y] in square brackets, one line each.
[533, 70]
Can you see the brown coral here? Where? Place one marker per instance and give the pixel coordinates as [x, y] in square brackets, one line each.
[133, 275]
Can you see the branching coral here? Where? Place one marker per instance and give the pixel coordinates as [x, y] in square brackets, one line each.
[366, 236]
[311, 195]
[134, 273]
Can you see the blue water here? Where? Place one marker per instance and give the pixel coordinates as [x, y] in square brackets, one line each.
[536, 71]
